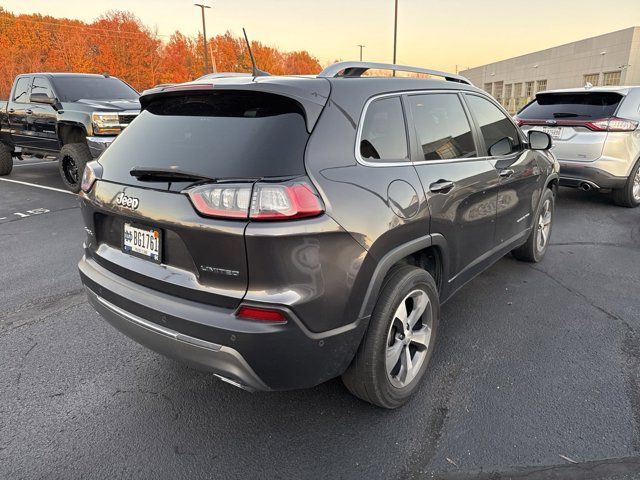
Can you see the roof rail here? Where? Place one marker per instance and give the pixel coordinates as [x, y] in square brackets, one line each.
[357, 69]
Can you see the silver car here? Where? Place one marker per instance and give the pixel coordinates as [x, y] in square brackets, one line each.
[595, 135]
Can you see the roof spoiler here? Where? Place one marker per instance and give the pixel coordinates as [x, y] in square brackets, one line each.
[357, 69]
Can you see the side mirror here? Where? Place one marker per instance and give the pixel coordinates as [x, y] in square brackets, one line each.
[503, 146]
[42, 98]
[539, 140]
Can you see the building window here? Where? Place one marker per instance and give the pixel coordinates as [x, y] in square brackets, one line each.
[611, 79]
[542, 86]
[488, 88]
[592, 78]
[517, 90]
[497, 91]
[529, 89]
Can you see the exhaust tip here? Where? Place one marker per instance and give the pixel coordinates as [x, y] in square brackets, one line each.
[585, 187]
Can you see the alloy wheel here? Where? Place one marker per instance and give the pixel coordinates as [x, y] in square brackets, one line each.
[408, 338]
[70, 169]
[544, 226]
[636, 186]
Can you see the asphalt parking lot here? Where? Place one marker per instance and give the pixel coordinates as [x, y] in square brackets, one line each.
[536, 373]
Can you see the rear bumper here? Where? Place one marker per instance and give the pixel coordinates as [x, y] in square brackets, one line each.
[97, 145]
[252, 355]
[574, 174]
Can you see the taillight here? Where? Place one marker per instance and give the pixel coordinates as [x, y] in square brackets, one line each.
[518, 121]
[261, 314]
[222, 200]
[92, 172]
[612, 125]
[261, 201]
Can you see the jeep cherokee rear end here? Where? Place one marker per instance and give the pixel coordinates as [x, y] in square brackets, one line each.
[246, 275]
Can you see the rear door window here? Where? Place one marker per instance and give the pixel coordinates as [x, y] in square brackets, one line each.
[499, 133]
[22, 91]
[442, 127]
[572, 106]
[384, 132]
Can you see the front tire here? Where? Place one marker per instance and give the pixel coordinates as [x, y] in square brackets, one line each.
[71, 162]
[6, 160]
[629, 195]
[398, 345]
[538, 241]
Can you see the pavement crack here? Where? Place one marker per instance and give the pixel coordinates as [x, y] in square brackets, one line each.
[40, 309]
[588, 301]
[163, 396]
[23, 360]
[594, 244]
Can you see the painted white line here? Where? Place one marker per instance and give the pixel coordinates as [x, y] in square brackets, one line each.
[38, 186]
[33, 163]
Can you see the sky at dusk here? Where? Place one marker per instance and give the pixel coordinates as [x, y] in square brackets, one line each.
[439, 34]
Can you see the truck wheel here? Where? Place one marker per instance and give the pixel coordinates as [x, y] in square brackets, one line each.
[533, 251]
[399, 342]
[73, 157]
[6, 160]
[629, 195]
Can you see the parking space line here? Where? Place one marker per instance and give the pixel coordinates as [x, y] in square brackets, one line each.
[37, 186]
[29, 164]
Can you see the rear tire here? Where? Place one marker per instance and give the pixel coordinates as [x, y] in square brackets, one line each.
[399, 342]
[538, 241]
[71, 162]
[629, 195]
[6, 160]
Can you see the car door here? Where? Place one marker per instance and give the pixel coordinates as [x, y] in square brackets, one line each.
[42, 121]
[520, 175]
[17, 111]
[461, 187]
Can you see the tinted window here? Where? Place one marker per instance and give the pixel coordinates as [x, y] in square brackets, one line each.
[580, 106]
[72, 89]
[21, 92]
[494, 125]
[41, 85]
[384, 135]
[227, 134]
[442, 126]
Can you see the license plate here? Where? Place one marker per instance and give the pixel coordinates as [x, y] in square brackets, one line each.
[142, 242]
[555, 132]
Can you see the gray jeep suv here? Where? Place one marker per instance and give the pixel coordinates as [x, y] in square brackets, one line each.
[283, 231]
[596, 137]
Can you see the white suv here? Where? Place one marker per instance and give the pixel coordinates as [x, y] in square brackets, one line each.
[595, 135]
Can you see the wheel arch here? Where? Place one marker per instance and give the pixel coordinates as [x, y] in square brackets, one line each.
[71, 132]
[429, 252]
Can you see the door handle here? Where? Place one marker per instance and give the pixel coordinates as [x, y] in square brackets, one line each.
[505, 173]
[11, 110]
[441, 186]
[29, 111]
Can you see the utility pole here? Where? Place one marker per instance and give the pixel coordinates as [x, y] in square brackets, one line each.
[395, 34]
[361, 47]
[204, 37]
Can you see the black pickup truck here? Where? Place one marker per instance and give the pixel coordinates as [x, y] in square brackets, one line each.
[71, 116]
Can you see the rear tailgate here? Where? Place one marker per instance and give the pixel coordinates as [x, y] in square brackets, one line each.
[231, 137]
[567, 116]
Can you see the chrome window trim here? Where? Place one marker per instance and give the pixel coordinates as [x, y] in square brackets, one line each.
[402, 163]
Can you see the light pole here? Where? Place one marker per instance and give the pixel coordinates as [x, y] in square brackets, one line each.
[395, 34]
[361, 47]
[204, 36]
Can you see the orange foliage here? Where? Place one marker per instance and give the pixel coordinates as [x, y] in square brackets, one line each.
[118, 43]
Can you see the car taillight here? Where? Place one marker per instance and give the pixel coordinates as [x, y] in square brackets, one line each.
[612, 125]
[261, 201]
[261, 314]
[518, 121]
[222, 200]
[92, 172]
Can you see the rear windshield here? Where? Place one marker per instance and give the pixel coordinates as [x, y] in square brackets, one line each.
[554, 106]
[72, 89]
[228, 134]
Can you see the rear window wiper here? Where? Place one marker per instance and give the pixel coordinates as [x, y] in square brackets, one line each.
[154, 174]
[568, 114]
